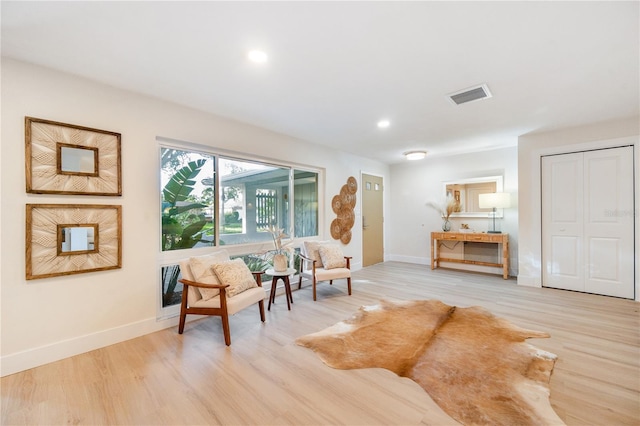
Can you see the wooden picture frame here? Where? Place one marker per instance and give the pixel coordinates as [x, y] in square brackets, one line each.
[63, 158]
[66, 239]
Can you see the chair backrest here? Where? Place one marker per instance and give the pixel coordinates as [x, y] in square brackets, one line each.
[193, 294]
[310, 250]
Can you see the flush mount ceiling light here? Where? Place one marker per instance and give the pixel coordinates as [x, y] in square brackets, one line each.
[257, 56]
[415, 155]
[383, 124]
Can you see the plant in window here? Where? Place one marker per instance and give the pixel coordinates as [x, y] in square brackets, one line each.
[277, 234]
[280, 258]
[182, 220]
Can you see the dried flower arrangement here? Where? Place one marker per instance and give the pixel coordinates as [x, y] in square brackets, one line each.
[279, 259]
[278, 234]
[446, 208]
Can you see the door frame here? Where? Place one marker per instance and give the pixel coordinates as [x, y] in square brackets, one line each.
[384, 207]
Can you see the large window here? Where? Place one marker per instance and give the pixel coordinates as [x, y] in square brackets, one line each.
[188, 199]
[254, 196]
[210, 200]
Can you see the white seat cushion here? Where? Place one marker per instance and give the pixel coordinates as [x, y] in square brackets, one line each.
[236, 303]
[328, 274]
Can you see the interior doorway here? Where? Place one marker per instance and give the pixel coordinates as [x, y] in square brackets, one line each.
[588, 221]
[372, 220]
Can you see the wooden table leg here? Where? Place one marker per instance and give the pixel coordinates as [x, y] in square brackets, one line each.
[505, 259]
[272, 294]
[432, 256]
[287, 291]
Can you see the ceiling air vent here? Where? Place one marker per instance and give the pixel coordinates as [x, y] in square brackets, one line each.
[469, 95]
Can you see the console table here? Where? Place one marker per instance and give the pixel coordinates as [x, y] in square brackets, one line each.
[503, 239]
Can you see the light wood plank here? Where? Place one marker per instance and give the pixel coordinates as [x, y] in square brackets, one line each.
[264, 378]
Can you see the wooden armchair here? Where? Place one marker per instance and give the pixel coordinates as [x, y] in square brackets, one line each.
[226, 300]
[323, 261]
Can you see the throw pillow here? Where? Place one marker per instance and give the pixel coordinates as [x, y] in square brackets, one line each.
[311, 248]
[332, 256]
[202, 272]
[236, 274]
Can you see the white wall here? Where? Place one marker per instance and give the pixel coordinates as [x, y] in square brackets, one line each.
[48, 319]
[530, 149]
[415, 183]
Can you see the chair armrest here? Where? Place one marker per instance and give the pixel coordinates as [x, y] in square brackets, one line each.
[196, 284]
[348, 259]
[307, 259]
[257, 275]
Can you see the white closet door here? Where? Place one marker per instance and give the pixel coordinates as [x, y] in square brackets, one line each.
[562, 220]
[608, 218]
[588, 234]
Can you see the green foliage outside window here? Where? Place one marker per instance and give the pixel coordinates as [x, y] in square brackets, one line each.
[184, 219]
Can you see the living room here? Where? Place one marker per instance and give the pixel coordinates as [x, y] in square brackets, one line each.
[51, 319]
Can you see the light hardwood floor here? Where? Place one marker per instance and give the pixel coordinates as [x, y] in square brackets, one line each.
[264, 378]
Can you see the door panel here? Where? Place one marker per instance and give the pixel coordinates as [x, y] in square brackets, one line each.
[608, 221]
[372, 220]
[605, 258]
[562, 222]
[587, 222]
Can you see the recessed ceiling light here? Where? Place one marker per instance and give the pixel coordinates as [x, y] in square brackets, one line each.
[415, 155]
[383, 124]
[257, 56]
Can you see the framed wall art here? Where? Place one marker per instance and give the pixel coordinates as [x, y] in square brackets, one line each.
[65, 239]
[67, 159]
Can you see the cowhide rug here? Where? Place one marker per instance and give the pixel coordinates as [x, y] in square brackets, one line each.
[474, 365]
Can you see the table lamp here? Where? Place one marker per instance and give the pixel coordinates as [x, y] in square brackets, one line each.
[495, 200]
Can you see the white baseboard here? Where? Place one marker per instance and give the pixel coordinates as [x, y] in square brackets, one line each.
[25, 360]
[529, 281]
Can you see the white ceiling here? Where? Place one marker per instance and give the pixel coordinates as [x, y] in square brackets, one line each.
[336, 68]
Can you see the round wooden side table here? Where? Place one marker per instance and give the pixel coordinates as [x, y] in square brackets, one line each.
[284, 276]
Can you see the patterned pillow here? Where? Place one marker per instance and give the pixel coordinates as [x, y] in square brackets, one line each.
[235, 273]
[311, 248]
[332, 256]
[202, 272]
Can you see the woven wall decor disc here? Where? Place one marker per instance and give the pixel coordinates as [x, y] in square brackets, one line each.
[347, 219]
[336, 228]
[336, 204]
[348, 200]
[352, 185]
[345, 238]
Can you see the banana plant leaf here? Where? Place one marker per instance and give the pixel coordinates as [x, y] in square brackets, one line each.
[174, 210]
[185, 232]
[181, 184]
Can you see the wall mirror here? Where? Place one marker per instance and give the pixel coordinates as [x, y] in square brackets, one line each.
[466, 191]
[77, 160]
[77, 239]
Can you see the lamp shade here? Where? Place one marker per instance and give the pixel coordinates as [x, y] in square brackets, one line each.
[498, 200]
